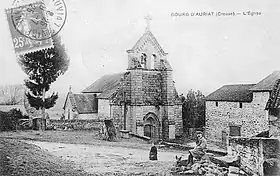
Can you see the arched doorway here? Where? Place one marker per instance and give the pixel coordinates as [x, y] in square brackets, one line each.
[151, 126]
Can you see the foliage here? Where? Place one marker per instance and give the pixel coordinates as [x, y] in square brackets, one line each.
[193, 109]
[43, 68]
[9, 120]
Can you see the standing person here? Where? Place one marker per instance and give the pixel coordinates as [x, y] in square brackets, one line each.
[153, 152]
[199, 151]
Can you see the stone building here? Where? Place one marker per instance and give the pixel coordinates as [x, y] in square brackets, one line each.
[143, 100]
[245, 110]
[80, 106]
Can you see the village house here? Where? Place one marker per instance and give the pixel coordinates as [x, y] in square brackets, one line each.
[245, 110]
[142, 101]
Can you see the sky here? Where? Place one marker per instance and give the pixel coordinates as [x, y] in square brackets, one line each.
[205, 52]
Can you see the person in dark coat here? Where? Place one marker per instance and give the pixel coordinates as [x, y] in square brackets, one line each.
[199, 151]
[153, 152]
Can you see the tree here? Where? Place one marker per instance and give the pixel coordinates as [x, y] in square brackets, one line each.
[13, 94]
[43, 68]
[193, 110]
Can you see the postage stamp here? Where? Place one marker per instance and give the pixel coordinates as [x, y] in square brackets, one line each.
[23, 44]
[33, 24]
[40, 20]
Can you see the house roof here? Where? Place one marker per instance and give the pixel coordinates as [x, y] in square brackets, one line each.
[84, 103]
[234, 93]
[274, 99]
[267, 83]
[106, 85]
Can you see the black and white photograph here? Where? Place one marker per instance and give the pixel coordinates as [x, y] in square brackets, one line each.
[140, 88]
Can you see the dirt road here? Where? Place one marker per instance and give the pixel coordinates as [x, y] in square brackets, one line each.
[108, 160]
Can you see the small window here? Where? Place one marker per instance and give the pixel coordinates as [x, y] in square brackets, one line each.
[240, 105]
[217, 104]
[234, 130]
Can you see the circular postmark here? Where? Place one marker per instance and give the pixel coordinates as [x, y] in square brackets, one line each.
[39, 20]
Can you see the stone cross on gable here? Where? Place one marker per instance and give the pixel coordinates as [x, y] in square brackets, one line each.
[148, 18]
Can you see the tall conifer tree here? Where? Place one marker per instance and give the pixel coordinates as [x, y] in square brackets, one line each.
[43, 68]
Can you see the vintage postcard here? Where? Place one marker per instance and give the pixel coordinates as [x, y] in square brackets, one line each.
[140, 87]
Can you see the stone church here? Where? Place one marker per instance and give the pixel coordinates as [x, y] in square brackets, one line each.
[142, 101]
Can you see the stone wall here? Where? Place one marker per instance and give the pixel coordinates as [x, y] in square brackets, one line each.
[87, 116]
[136, 86]
[76, 124]
[274, 126]
[135, 115]
[167, 88]
[178, 121]
[252, 117]
[250, 152]
[117, 116]
[254, 152]
[151, 87]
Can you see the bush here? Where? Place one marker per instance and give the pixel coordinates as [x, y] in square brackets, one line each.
[9, 120]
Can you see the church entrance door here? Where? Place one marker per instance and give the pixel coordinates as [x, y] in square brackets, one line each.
[151, 126]
[149, 130]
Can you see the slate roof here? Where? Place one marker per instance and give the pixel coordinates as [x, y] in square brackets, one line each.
[84, 103]
[274, 99]
[106, 85]
[233, 93]
[165, 65]
[267, 83]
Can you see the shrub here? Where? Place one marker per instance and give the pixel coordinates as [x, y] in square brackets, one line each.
[9, 120]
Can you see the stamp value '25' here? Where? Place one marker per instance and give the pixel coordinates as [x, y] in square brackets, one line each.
[33, 25]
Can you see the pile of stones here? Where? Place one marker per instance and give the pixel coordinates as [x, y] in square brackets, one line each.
[207, 168]
[202, 167]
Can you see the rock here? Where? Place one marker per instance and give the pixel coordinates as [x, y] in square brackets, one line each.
[183, 168]
[232, 169]
[216, 171]
[212, 165]
[223, 169]
[225, 161]
[201, 171]
[188, 172]
[202, 161]
[241, 172]
[209, 174]
[196, 166]
[232, 174]
[205, 164]
[188, 167]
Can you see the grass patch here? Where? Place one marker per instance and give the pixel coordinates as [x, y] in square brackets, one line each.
[18, 158]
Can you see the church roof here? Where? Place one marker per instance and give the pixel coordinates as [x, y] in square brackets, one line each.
[267, 83]
[233, 93]
[148, 37]
[106, 85]
[84, 103]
